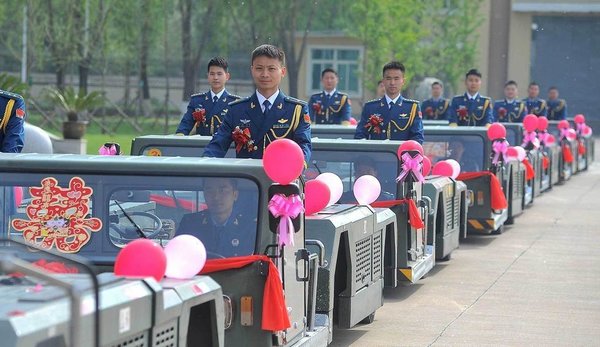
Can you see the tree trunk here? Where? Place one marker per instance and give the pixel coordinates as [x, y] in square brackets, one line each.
[84, 71]
[127, 91]
[189, 71]
[144, 45]
[60, 77]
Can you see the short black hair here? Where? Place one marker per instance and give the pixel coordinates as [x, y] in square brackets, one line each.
[531, 84]
[328, 70]
[218, 62]
[510, 83]
[473, 72]
[437, 83]
[553, 88]
[393, 65]
[269, 51]
[231, 180]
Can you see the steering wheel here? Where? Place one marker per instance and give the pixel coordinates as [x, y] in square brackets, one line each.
[210, 254]
[129, 232]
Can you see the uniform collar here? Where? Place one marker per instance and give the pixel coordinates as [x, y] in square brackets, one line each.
[510, 101]
[218, 95]
[388, 99]
[332, 93]
[436, 100]
[472, 97]
[261, 98]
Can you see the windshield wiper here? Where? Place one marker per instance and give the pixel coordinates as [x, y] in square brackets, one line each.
[138, 230]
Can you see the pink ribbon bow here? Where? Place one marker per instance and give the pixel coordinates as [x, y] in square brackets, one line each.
[410, 164]
[580, 128]
[499, 148]
[563, 133]
[285, 208]
[543, 136]
[530, 137]
[112, 150]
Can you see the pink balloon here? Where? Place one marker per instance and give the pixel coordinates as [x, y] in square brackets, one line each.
[563, 124]
[366, 189]
[443, 168]
[455, 167]
[186, 257]
[512, 153]
[521, 153]
[336, 187]
[317, 196]
[530, 122]
[426, 166]
[496, 131]
[353, 121]
[550, 139]
[571, 134]
[579, 119]
[587, 131]
[542, 123]
[410, 145]
[283, 161]
[141, 258]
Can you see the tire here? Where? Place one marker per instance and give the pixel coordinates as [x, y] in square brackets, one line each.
[510, 221]
[498, 231]
[447, 257]
[368, 319]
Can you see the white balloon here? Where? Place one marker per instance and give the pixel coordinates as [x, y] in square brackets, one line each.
[521, 153]
[455, 167]
[366, 189]
[336, 187]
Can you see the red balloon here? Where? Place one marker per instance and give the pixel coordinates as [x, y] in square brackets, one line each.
[410, 145]
[512, 153]
[353, 121]
[317, 196]
[141, 258]
[542, 123]
[550, 139]
[443, 168]
[283, 161]
[579, 119]
[426, 166]
[530, 122]
[564, 124]
[496, 131]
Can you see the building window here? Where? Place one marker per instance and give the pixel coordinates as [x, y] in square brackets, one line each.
[346, 61]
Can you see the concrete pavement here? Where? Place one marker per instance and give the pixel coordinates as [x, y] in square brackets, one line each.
[538, 284]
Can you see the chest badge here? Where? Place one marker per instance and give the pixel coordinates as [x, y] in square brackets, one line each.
[282, 121]
[403, 115]
[252, 105]
[280, 106]
[244, 121]
[235, 242]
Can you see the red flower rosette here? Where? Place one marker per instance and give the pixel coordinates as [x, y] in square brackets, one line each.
[502, 112]
[462, 112]
[316, 107]
[374, 124]
[242, 139]
[429, 111]
[199, 116]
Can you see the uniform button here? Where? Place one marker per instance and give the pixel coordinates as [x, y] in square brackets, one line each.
[383, 131]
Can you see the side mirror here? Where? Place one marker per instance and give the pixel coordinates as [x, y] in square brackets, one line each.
[287, 190]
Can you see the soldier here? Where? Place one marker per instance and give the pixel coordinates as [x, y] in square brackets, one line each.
[12, 133]
[392, 117]
[206, 111]
[436, 107]
[534, 104]
[224, 231]
[265, 116]
[471, 108]
[510, 110]
[330, 106]
[557, 108]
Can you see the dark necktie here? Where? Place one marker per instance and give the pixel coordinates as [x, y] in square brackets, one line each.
[215, 99]
[391, 105]
[267, 105]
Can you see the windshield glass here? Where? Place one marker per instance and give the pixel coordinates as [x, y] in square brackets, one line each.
[158, 150]
[467, 150]
[353, 164]
[93, 215]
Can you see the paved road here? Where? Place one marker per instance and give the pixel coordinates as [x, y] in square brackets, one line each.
[538, 284]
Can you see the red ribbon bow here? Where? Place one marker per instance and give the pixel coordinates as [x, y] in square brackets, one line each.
[502, 112]
[199, 116]
[429, 111]
[316, 106]
[374, 124]
[463, 113]
[242, 139]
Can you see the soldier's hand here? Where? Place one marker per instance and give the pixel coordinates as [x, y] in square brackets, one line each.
[453, 124]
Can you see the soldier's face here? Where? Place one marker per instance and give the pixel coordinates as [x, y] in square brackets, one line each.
[362, 169]
[436, 91]
[217, 77]
[267, 73]
[473, 83]
[330, 81]
[220, 195]
[553, 94]
[393, 80]
[510, 91]
[533, 91]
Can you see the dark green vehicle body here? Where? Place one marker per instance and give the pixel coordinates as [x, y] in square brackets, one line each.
[162, 190]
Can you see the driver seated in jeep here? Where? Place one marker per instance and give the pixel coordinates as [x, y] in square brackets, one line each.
[364, 165]
[224, 231]
[458, 151]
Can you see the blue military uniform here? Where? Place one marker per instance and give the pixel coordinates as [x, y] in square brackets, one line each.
[287, 118]
[557, 109]
[536, 106]
[403, 121]
[509, 112]
[465, 111]
[213, 113]
[234, 238]
[12, 118]
[333, 109]
[435, 109]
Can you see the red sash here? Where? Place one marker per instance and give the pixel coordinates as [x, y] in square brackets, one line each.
[414, 218]
[498, 200]
[529, 169]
